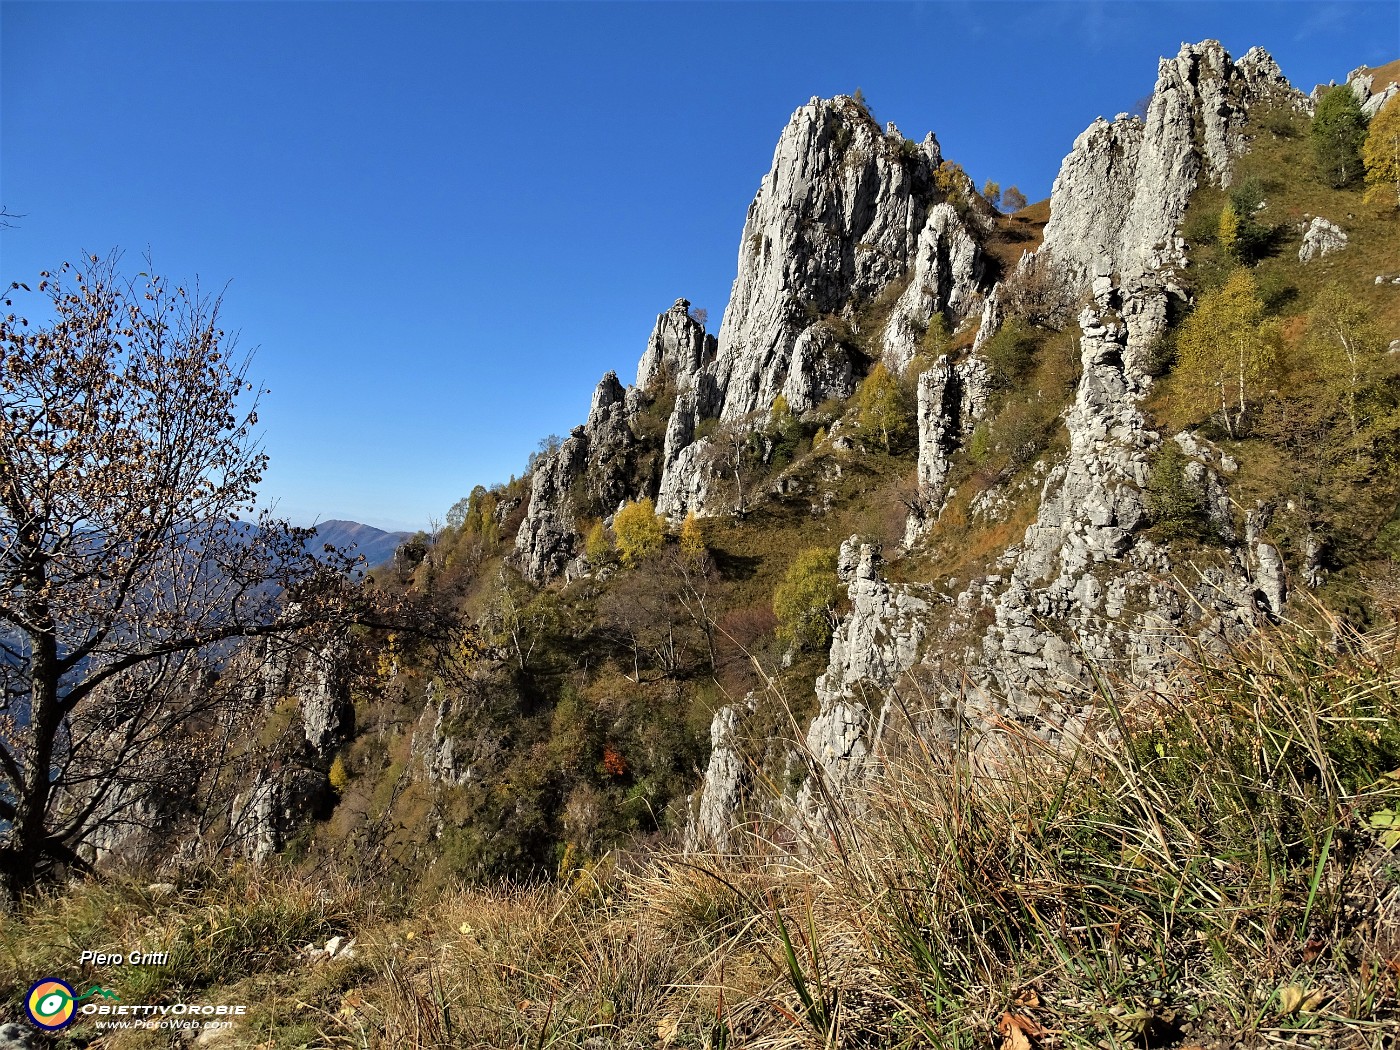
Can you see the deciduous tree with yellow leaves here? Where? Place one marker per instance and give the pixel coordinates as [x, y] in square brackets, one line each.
[1226, 349]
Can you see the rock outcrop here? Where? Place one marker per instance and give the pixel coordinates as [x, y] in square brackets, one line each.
[327, 715]
[848, 216]
[1369, 92]
[854, 232]
[676, 352]
[594, 470]
[1122, 191]
[836, 220]
[727, 781]
[872, 647]
[1321, 238]
[952, 398]
[278, 804]
[453, 743]
[1090, 507]
[301, 684]
[1087, 591]
[948, 269]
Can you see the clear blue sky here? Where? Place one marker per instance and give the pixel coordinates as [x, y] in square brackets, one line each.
[443, 222]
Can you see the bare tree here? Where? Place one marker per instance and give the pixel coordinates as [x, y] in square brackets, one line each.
[128, 565]
[1040, 292]
[734, 450]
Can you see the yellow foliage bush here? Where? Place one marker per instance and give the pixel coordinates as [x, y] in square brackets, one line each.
[640, 531]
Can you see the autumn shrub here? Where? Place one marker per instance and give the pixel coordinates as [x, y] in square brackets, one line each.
[640, 531]
[805, 600]
[1381, 152]
[339, 776]
[597, 545]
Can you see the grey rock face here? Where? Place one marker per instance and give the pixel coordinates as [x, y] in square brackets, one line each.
[13, 1037]
[1086, 588]
[326, 711]
[451, 742]
[1371, 95]
[678, 349]
[275, 807]
[1090, 507]
[836, 220]
[545, 542]
[876, 642]
[1321, 238]
[597, 463]
[820, 368]
[1314, 572]
[1122, 191]
[938, 429]
[1269, 577]
[1376, 102]
[727, 781]
[952, 398]
[947, 272]
[686, 484]
[846, 211]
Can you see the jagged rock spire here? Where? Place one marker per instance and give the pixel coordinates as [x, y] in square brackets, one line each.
[835, 221]
[1123, 190]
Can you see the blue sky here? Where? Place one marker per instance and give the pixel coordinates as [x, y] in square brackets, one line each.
[440, 223]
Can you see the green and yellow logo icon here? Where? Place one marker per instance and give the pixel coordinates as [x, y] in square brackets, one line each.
[51, 1004]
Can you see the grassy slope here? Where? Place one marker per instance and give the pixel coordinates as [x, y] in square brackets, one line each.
[1285, 459]
[1200, 873]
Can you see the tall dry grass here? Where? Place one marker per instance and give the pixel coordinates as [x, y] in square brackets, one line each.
[1207, 866]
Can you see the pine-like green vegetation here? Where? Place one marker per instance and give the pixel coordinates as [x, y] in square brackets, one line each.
[1338, 130]
[1211, 862]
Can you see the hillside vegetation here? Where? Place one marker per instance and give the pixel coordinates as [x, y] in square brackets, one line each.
[1210, 867]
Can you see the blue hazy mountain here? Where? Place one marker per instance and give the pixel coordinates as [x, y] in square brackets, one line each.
[376, 545]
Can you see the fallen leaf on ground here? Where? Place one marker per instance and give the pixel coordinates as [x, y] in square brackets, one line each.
[668, 1028]
[1017, 1030]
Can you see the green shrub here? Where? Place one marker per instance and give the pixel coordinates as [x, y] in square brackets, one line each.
[884, 412]
[1175, 504]
[1010, 354]
[1023, 428]
[806, 598]
[1338, 132]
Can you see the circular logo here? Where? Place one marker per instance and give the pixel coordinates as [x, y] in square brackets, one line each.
[50, 1004]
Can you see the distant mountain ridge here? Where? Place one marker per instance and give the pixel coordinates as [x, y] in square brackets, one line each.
[376, 545]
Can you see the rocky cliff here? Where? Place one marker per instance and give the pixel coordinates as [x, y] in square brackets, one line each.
[852, 229]
[855, 228]
[302, 693]
[1122, 191]
[1084, 591]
